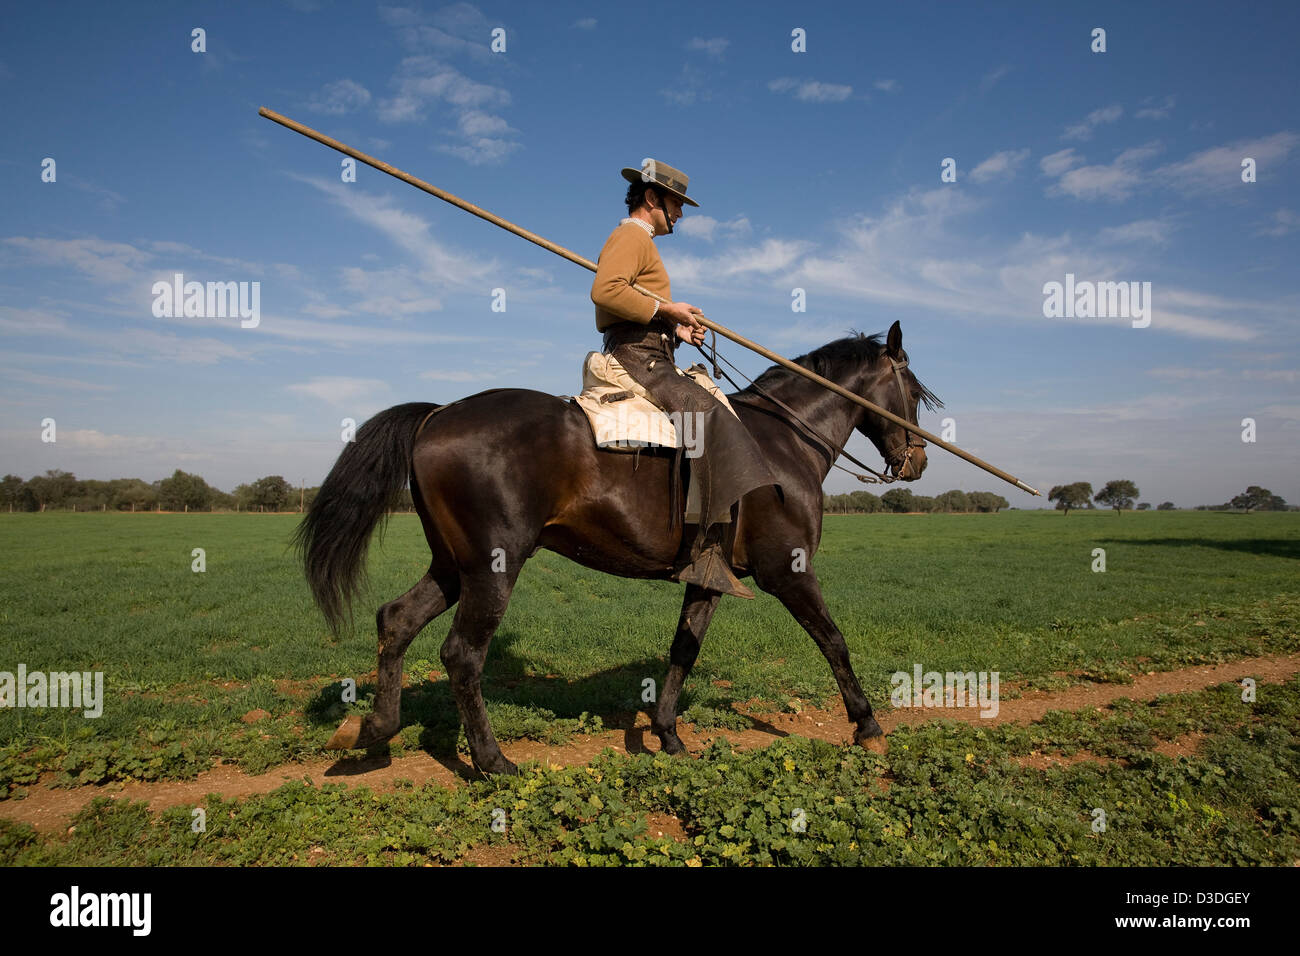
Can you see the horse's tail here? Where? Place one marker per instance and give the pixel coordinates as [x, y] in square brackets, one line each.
[335, 533]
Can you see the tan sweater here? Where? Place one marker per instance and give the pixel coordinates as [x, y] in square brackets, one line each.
[629, 255]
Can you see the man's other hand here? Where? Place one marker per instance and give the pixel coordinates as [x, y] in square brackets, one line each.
[689, 328]
[692, 335]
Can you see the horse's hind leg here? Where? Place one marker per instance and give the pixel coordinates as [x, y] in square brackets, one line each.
[482, 605]
[697, 612]
[801, 594]
[398, 623]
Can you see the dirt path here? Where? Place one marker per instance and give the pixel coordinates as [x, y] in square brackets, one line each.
[49, 809]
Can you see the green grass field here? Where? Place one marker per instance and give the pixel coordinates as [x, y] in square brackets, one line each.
[186, 655]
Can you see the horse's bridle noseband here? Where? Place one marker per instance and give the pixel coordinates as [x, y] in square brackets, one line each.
[913, 440]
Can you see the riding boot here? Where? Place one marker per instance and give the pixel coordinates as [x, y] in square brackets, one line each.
[708, 564]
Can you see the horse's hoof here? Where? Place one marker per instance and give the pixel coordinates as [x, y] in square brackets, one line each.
[500, 767]
[670, 743]
[346, 737]
[870, 737]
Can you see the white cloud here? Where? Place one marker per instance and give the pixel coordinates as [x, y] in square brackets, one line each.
[438, 263]
[100, 259]
[108, 199]
[887, 86]
[1156, 112]
[339, 97]
[456, 375]
[914, 256]
[338, 334]
[714, 47]
[181, 349]
[1220, 168]
[1183, 374]
[30, 321]
[1288, 375]
[1285, 221]
[708, 228]
[586, 23]
[991, 78]
[1113, 182]
[90, 439]
[1001, 165]
[1141, 230]
[1084, 129]
[34, 378]
[1057, 163]
[342, 391]
[811, 91]
[423, 80]
[458, 29]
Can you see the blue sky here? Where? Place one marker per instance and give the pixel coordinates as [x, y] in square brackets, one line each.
[817, 170]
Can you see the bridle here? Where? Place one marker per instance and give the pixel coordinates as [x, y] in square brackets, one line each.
[913, 440]
[899, 464]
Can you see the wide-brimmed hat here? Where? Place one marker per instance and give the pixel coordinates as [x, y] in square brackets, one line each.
[661, 174]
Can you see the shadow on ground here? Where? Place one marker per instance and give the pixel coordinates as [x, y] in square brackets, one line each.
[1274, 547]
[521, 703]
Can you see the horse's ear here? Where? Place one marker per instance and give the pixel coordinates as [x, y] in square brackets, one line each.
[894, 341]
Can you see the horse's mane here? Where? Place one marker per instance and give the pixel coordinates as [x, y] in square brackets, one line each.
[855, 350]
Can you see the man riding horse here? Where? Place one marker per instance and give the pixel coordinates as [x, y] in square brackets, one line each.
[641, 335]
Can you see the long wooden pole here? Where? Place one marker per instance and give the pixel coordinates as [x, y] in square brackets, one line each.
[588, 264]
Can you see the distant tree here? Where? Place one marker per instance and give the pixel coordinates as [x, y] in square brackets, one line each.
[271, 493]
[1165, 506]
[1075, 495]
[1144, 506]
[243, 495]
[864, 502]
[11, 492]
[1256, 498]
[53, 489]
[987, 501]
[134, 494]
[183, 492]
[955, 500]
[898, 500]
[1117, 494]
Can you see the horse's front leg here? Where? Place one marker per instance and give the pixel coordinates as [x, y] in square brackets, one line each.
[801, 593]
[697, 612]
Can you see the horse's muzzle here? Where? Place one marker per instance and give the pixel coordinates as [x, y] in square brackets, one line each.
[909, 468]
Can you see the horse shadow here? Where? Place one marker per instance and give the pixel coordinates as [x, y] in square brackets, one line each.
[513, 690]
[1273, 547]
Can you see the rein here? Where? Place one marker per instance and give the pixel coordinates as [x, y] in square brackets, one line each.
[875, 478]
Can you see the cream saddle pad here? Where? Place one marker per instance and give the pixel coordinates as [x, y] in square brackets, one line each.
[622, 417]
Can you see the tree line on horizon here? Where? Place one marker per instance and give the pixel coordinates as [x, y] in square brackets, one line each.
[62, 490]
[1119, 495]
[904, 501]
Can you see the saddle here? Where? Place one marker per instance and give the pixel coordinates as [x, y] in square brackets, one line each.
[620, 413]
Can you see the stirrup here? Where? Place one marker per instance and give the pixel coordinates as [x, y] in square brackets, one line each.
[711, 571]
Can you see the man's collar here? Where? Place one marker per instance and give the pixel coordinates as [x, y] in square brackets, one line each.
[640, 222]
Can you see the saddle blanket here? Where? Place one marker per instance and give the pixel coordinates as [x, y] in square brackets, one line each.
[621, 414]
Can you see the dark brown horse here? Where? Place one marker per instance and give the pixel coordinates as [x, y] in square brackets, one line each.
[498, 475]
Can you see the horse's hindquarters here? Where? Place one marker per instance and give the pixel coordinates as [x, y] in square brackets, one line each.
[500, 474]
